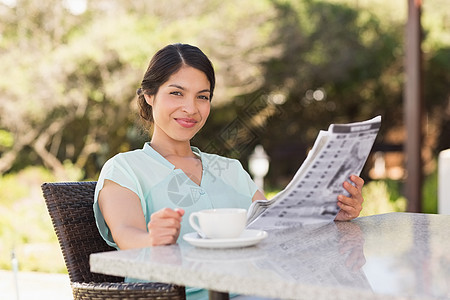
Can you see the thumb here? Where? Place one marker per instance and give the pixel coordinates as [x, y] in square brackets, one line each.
[180, 211]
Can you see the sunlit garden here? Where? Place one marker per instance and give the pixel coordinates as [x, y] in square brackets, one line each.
[285, 70]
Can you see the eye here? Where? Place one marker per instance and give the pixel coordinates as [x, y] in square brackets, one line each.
[203, 97]
[176, 93]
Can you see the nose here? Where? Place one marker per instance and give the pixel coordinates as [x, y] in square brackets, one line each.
[190, 105]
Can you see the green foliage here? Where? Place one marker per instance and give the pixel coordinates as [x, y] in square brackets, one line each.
[429, 194]
[11, 191]
[270, 193]
[382, 197]
[344, 53]
[82, 72]
[25, 226]
[6, 139]
[67, 97]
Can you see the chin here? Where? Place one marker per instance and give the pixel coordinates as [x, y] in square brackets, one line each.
[183, 138]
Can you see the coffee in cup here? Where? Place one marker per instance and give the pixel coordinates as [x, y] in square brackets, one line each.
[220, 223]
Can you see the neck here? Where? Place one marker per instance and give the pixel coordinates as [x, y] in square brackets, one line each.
[182, 149]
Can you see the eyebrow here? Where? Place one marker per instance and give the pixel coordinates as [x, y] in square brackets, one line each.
[182, 88]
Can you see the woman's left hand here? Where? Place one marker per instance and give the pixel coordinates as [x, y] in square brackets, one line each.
[351, 206]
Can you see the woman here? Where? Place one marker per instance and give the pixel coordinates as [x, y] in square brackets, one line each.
[142, 195]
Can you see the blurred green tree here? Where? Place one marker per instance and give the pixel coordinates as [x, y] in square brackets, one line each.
[334, 64]
[68, 98]
[285, 69]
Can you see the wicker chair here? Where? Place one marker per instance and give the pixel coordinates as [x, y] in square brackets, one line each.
[70, 207]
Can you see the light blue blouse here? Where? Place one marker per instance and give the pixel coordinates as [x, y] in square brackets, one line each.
[158, 184]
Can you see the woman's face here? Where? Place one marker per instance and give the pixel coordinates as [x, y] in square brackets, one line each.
[181, 106]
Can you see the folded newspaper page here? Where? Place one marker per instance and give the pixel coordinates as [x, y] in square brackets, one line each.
[311, 196]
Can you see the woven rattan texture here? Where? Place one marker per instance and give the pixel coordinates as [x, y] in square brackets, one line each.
[70, 207]
[127, 291]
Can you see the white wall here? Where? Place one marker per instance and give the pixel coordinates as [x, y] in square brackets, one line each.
[444, 182]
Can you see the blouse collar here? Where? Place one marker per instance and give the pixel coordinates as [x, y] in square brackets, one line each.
[148, 149]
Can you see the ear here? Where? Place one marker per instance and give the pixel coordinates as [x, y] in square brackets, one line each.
[149, 99]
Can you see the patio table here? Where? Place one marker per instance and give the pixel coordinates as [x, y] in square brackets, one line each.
[387, 256]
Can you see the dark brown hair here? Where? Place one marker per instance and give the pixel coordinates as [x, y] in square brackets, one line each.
[166, 62]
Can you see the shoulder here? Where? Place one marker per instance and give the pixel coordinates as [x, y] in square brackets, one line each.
[212, 159]
[230, 171]
[126, 162]
[129, 154]
[221, 165]
[124, 157]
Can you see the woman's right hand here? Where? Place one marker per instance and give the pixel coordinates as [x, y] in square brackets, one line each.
[164, 226]
[123, 213]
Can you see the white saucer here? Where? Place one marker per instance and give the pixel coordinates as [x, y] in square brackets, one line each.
[248, 238]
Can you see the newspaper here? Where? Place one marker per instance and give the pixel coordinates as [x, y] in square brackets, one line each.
[311, 196]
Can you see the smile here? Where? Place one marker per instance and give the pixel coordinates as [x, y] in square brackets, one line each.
[186, 122]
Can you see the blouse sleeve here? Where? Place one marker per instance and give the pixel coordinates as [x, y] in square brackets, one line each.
[115, 170]
[245, 181]
[235, 175]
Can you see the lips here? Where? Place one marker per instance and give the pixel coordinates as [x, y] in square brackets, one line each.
[186, 122]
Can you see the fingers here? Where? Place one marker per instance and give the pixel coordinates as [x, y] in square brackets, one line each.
[180, 211]
[164, 213]
[164, 226]
[351, 206]
[358, 181]
[356, 188]
[346, 213]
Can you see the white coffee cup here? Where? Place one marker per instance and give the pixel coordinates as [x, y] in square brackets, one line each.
[220, 223]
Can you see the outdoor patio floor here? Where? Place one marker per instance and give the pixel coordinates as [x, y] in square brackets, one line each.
[34, 286]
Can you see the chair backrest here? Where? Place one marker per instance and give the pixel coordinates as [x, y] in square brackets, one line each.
[70, 207]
